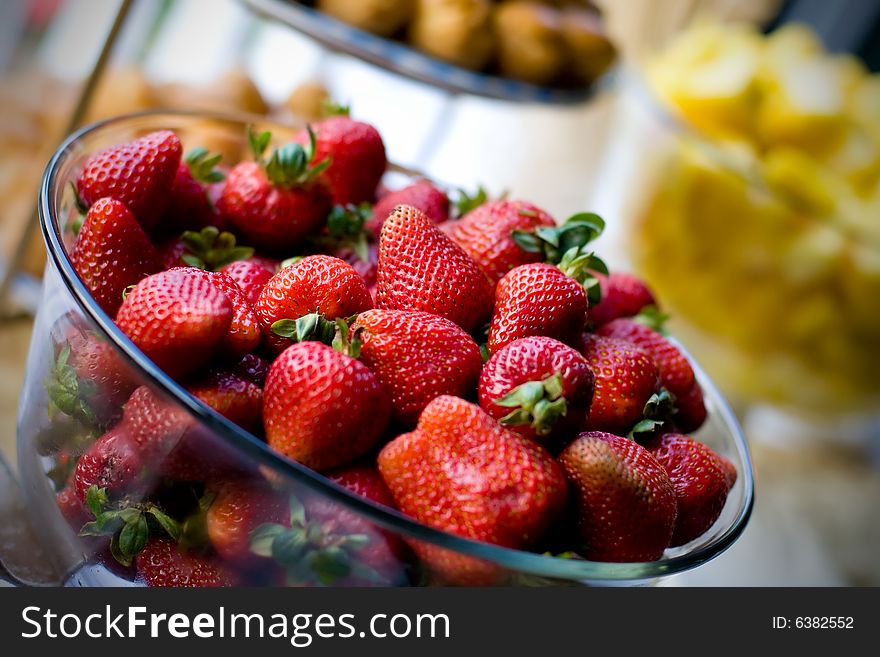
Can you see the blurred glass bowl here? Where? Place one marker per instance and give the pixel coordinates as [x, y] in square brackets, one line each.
[48, 443]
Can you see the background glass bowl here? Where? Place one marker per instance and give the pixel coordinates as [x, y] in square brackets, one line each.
[49, 441]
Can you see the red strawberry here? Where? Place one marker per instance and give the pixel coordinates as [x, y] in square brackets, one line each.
[486, 233]
[72, 508]
[420, 268]
[345, 238]
[250, 276]
[244, 332]
[676, 373]
[89, 379]
[162, 563]
[170, 253]
[139, 173]
[417, 356]
[462, 472]
[252, 368]
[274, 204]
[322, 408]
[112, 462]
[189, 207]
[623, 295]
[111, 253]
[239, 507]
[701, 479]
[270, 263]
[537, 387]
[356, 154]
[624, 502]
[421, 195]
[178, 318]
[364, 480]
[624, 378]
[316, 285]
[691, 409]
[537, 299]
[235, 398]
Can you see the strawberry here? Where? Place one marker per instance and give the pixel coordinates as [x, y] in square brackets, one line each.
[462, 472]
[139, 174]
[623, 500]
[417, 356]
[624, 378]
[240, 506]
[113, 462]
[178, 318]
[701, 479]
[356, 155]
[275, 204]
[244, 332]
[250, 276]
[623, 295]
[162, 563]
[537, 299]
[317, 287]
[537, 387]
[252, 368]
[421, 195]
[365, 480]
[170, 253]
[420, 268]
[691, 409]
[346, 238]
[486, 233]
[88, 379]
[235, 398]
[111, 253]
[676, 373]
[322, 408]
[189, 207]
[72, 508]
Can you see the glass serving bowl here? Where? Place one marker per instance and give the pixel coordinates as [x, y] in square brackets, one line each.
[775, 296]
[368, 534]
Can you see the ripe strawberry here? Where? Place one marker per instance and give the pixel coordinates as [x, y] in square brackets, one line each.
[417, 356]
[250, 276]
[275, 204]
[356, 154]
[252, 368]
[162, 563]
[113, 462]
[623, 295]
[365, 480]
[317, 285]
[239, 507]
[691, 409]
[235, 398]
[322, 408]
[701, 479]
[624, 378]
[462, 472]
[178, 318]
[624, 502]
[189, 207]
[170, 253]
[244, 332]
[537, 387]
[88, 380]
[420, 268]
[346, 238]
[72, 508]
[676, 373]
[421, 195]
[139, 174]
[537, 299]
[486, 233]
[112, 252]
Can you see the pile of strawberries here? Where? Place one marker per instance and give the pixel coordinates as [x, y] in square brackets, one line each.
[476, 368]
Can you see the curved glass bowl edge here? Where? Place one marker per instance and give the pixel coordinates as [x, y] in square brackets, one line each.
[516, 560]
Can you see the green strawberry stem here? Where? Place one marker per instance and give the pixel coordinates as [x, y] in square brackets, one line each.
[654, 318]
[212, 249]
[538, 404]
[309, 553]
[312, 327]
[659, 410]
[553, 242]
[202, 165]
[345, 228]
[331, 107]
[129, 527]
[467, 201]
[67, 392]
[582, 267]
[289, 166]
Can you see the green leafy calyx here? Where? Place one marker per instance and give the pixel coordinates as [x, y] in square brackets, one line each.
[553, 242]
[203, 165]
[212, 249]
[538, 404]
[659, 410]
[289, 166]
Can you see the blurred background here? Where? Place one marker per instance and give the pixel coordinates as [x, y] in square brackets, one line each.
[733, 147]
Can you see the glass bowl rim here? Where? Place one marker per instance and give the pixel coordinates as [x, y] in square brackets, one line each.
[253, 447]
